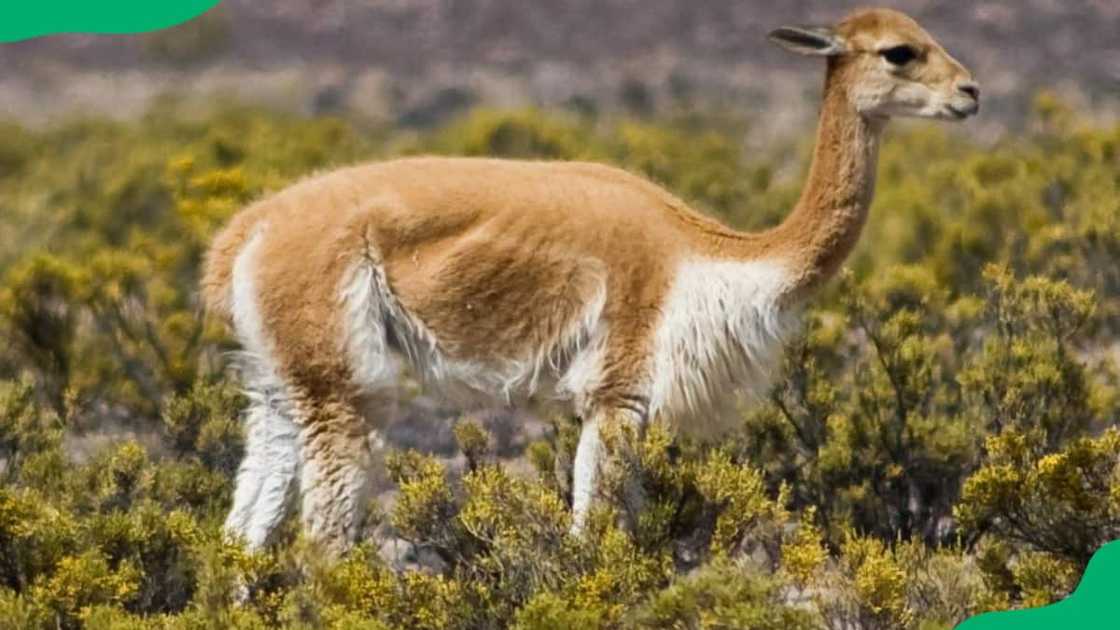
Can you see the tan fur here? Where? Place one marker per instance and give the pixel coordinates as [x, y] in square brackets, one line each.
[496, 258]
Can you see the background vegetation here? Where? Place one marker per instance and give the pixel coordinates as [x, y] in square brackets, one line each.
[944, 441]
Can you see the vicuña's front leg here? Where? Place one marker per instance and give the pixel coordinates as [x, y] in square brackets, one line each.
[585, 472]
[591, 457]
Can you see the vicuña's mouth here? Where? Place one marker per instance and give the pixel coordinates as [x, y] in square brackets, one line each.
[960, 113]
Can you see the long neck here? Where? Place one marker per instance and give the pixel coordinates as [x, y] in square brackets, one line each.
[825, 225]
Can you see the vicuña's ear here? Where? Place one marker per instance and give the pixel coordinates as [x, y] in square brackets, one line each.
[809, 40]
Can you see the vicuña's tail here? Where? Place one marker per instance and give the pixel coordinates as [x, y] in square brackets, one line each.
[217, 268]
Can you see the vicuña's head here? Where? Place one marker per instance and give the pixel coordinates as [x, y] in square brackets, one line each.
[887, 66]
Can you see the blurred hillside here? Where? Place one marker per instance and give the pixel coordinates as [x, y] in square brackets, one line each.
[416, 62]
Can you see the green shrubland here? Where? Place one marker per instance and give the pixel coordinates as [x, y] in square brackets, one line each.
[944, 440]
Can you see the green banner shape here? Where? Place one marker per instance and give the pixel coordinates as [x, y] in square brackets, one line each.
[24, 19]
[1093, 606]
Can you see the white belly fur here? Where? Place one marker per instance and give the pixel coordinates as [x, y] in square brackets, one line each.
[719, 342]
[378, 328]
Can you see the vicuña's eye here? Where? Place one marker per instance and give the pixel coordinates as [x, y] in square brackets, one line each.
[899, 55]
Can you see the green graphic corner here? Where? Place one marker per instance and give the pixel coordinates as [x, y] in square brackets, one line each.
[1094, 605]
[26, 19]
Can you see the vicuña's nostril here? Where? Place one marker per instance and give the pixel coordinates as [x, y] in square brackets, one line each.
[970, 89]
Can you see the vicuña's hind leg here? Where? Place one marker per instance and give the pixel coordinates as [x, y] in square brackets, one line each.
[266, 480]
[334, 448]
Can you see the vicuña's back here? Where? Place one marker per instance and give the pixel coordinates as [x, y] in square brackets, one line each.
[572, 282]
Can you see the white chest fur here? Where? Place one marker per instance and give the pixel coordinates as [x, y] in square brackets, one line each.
[720, 336]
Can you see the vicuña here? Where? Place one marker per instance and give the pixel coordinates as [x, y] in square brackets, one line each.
[563, 281]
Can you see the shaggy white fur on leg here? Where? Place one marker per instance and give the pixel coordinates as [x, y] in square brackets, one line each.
[266, 481]
[585, 473]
